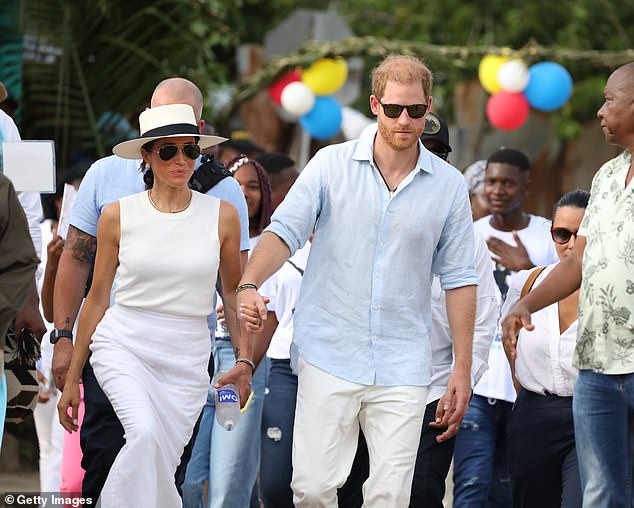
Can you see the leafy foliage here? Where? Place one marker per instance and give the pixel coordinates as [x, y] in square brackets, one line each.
[86, 58]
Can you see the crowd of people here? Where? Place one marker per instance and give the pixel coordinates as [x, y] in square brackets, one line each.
[381, 314]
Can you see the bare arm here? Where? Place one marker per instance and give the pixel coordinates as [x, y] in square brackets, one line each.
[561, 282]
[54, 250]
[267, 258]
[263, 339]
[230, 272]
[97, 302]
[74, 267]
[461, 305]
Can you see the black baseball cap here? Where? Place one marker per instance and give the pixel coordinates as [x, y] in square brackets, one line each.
[436, 130]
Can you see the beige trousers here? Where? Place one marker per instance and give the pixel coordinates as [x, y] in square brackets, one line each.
[329, 412]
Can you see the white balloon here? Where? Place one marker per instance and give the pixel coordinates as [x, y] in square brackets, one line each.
[513, 76]
[297, 99]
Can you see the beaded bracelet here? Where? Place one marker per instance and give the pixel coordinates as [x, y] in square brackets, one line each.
[247, 361]
[243, 287]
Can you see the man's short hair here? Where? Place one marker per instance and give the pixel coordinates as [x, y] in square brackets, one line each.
[401, 69]
[275, 162]
[512, 157]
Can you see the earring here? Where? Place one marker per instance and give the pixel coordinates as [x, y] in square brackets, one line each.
[148, 178]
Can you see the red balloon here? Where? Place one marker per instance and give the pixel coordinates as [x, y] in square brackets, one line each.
[275, 90]
[507, 110]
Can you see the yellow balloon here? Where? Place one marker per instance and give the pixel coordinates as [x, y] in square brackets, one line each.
[326, 75]
[488, 72]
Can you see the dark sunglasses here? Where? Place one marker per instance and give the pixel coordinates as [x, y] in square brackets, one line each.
[562, 235]
[190, 150]
[395, 110]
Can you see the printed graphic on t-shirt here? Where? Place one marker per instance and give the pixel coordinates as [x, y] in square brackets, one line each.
[502, 277]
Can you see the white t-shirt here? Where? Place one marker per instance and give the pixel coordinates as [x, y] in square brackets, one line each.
[544, 356]
[283, 287]
[487, 312]
[497, 383]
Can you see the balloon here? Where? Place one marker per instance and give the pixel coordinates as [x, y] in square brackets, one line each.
[507, 110]
[275, 90]
[326, 76]
[549, 86]
[324, 120]
[488, 72]
[297, 99]
[513, 76]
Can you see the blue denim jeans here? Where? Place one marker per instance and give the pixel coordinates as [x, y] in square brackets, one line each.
[228, 460]
[603, 408]
[278, 417]
[481, 476]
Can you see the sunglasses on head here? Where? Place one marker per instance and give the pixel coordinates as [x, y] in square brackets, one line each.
[395, 110]
[562, 235]
[190, 150]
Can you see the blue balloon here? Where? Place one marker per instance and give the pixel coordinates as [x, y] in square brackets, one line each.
[549, 86]
[324, 120]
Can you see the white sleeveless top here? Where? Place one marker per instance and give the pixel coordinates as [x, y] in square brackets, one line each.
[168, 262]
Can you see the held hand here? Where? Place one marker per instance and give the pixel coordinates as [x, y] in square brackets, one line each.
[70, 399]
[453, 405]
[62, 354]
[451, 431]
[518, 318]
[513, 258]
[221, 312]
[250, 317]
[250, 297]
[239, 375]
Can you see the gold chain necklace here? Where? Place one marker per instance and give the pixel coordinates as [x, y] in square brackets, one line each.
[149, 195]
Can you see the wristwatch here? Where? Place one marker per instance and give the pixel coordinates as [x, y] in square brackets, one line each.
[57, 334]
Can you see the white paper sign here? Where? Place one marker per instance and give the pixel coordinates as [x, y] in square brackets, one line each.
[30, 165]
[67, 207]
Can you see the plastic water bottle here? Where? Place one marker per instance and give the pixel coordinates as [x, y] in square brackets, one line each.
[228, 406]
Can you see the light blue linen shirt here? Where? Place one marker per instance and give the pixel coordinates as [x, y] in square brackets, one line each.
[112, 178]
[364, 311]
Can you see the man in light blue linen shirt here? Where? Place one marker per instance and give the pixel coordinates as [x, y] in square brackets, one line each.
[106, 181]
[387, 215]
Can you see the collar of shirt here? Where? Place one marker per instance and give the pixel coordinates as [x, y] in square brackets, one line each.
[365, 152]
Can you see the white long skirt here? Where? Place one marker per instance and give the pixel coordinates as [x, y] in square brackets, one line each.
[153, 369]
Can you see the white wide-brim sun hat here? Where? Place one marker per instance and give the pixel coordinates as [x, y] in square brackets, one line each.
[171, 121]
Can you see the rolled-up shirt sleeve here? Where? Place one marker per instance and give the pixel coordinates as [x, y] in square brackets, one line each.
[297, 216]
[454, 257]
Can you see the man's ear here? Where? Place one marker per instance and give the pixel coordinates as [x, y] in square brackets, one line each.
[374, 105]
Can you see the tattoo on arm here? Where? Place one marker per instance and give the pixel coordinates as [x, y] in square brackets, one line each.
[82, 245]
[236, 352]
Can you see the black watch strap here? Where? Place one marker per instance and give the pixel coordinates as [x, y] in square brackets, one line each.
[58, 334]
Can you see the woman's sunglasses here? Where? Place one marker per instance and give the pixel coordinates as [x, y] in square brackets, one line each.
[562, 235]
[395, 110]
[190, 150]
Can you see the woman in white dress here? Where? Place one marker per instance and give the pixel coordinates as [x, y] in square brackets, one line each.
[542, 457]
[150, 350]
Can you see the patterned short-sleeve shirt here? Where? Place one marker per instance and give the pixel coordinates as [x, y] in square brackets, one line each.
[605, 339]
